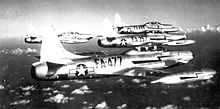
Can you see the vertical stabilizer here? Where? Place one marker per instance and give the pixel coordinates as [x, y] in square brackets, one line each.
[52, 50]
[31, 31]
[107, 28]
[117, 22]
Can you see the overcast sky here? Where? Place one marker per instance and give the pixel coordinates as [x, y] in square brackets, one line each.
[87, 15]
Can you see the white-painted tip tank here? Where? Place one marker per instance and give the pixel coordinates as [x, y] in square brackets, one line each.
[186, 77]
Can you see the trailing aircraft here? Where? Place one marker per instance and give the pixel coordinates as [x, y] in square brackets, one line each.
[56, 63]
[74, 37]
[186, 77]
[66, 37]
[141, 39]
[33, 39]
[32, 36]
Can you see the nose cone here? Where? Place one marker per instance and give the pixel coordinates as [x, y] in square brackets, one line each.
[176, 37]
[33, 72]
[185, 56]
[209, 71]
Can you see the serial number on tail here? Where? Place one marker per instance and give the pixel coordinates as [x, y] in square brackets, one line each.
[108, 62]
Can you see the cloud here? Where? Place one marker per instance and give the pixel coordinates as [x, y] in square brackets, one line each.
[59, 98]
[123, 106]
[2, 87]
[143, 85]
[47, 89]
[84, 89]
[212, 28]
[79, 81]
[102, 105]
[27, 93]
[170, 106]
[56, 91]
[20, 102]
[136, 80]
[65, 86]
[120, 80]
[187, 98]
[28, 88]
[109, 92]
[18, 51]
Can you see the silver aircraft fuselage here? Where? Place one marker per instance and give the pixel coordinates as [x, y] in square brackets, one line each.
[146, 28]
[69, 38]
[109, 65]
[137, 40]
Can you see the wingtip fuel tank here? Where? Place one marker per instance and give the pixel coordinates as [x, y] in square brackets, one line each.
[186, 77]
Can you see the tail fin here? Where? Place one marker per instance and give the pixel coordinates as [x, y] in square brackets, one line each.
[107, 28]
[31, 31]
[117, 22]
[52, 50]
[110, 30]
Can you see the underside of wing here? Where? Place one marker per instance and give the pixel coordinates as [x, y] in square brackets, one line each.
[141, 72]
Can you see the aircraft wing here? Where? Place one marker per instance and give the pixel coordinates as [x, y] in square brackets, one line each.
[141, 72]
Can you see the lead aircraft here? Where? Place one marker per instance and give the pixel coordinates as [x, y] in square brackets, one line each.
[56, 63]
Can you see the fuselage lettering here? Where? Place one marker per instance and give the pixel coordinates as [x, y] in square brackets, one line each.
[108, 62]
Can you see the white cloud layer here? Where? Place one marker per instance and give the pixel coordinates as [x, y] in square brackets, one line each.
[20, 102]
[81, 91]
[18, 51]
[59, 98]
[102, 105]
[2, 87]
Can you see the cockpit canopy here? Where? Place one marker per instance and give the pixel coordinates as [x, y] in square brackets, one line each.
[153, 23]
[149, 48]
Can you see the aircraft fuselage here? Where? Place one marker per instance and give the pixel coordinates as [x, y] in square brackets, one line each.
[108, 65]
[136, 40]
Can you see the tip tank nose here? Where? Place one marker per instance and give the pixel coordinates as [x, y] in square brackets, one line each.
[209, 71]
[186, 53]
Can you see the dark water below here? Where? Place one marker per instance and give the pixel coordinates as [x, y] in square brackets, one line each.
[19, 90]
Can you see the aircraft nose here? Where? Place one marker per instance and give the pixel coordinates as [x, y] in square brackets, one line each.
[209, 71]
[186, 53]
[39, 70]
[185, 56]
[33, 72]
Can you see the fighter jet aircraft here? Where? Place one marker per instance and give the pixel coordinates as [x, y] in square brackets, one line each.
[160, 52]
[186, 77]
[149, 27]
[32, 36]
[66, 37]
[33, 39]
[140, 39]
[56, 63]
[171, 36]
[74, 37]
[159, 25]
